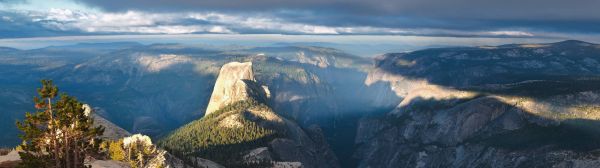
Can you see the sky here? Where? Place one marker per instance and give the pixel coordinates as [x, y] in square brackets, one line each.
[447, 18]
[362, 27]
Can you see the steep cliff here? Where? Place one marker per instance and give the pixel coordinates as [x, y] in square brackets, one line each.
[111, 131]
[240, 129]
[534, 105]
[235, 83]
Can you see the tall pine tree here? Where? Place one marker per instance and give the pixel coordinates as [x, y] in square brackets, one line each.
[60, 134]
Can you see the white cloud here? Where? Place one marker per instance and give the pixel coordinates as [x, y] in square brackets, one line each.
[511, 33]
[127, 22]
[7, 19]
[262, 23]
[219, 29]
[214, 22]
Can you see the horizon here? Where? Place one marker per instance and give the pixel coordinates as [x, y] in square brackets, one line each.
[354, 44]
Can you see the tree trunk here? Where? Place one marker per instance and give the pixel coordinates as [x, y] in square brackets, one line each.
[76, 152]
[53, 134]
[67, 149]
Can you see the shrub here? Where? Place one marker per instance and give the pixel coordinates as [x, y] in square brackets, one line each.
[116, 151]
[138, 151]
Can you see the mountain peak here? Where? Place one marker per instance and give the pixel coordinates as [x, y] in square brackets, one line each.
[235, 83]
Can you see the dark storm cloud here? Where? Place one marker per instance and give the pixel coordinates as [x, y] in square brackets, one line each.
[474, 9]
[552, 15]
[491, 9]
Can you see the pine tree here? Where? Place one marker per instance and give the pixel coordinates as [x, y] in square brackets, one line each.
[60, 134]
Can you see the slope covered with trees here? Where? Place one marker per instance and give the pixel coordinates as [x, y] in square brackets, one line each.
[204, 138]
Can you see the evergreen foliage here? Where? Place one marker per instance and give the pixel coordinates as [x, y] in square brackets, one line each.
[59, 134]
[204, 138]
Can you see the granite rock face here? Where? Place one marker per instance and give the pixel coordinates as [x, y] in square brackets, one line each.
[111, 131]
[504, 106]
[235, 83]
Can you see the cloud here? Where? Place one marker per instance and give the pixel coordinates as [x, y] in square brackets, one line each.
[73, 22]
[510, 33]
[11, 2]
[488, 15]
[506, 9]
[77, 22]
[13, 25]
[452, 18]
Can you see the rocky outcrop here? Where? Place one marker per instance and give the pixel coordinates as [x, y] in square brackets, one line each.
[10, 160]
[319, 61]
[306, 147]
[108, 164]
[484, 131]
[235, 83]
[486, 107]
[111, 131]
[174, 162]
[258, 154]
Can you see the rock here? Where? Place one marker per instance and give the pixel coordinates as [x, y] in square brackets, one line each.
[111, 131]
[287, 165]
[10, 159]
[13, 158]
[206, 163]
[467, 107]
[320, 61]
[316, 134]
[305, 152]
[174, 162]
[108, 164]
[258, 154]
[235, 83]
[286, 149]
[155, 64]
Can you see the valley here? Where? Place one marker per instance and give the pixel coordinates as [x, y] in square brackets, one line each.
[499, 106]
